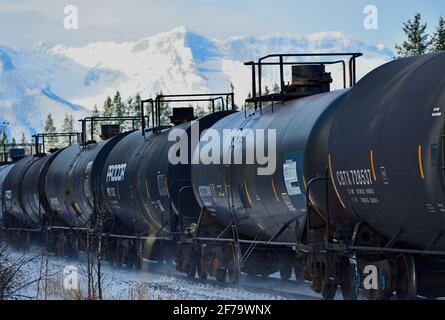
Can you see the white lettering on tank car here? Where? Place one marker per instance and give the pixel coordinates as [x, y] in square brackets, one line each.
[204, 191]
[355, 177]
[436, 112]
[8, 194]
[111, 192]
[162, 185]
[384, 173]
[288, 203]
[116, 173]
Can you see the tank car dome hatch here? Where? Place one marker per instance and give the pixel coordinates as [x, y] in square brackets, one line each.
[182, 115]
[16, 154]
[109, 131]
[309, 79]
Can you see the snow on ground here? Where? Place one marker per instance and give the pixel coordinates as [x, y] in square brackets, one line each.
[123, 283]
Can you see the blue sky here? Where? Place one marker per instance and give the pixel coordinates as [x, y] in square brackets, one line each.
[24, 22]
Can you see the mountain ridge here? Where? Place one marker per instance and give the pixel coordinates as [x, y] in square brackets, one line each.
[62, 79]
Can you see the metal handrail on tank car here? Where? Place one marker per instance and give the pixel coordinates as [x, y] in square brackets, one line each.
[37, 137]
[92, 120]
[183, 98]
[5, 146]
[282, 96]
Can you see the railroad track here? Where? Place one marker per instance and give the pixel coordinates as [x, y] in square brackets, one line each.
[288, 289]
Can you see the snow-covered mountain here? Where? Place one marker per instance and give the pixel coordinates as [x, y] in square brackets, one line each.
[61, 79]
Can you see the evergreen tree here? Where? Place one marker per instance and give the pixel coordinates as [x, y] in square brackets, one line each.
[108, 107]
[3, 141]
[438, 43]
[96, 126]
[232, 90]
[199, 111]
[165, 111]
[4, 137]
[68, 125]
[23, 138]
[136, 109]
[118, 107]
[50, 128]
[13, 142]
[417, 42]
[276, 88]
[135, 106]
[249, 105]
[133, 109]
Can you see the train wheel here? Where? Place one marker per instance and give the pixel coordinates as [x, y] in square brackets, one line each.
[191, 270]
[234, 270]
[138, 255]
[328, 288]
[202, 272]
[349, 286]
[191, 263]
[118, 253]
[221, 275]
[406, 288]
[234, 274]
[129, 258]
[299, 273]
[286, 272]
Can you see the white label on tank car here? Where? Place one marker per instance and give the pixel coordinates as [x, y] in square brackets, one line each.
[436, 112]
[162, 185]
[111, 192]
[55, 203]
[116, 173]
[291, 178]
[359, 177]
[204, 191]
[288, 203]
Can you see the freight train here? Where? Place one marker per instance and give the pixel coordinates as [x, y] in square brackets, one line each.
[358, 181]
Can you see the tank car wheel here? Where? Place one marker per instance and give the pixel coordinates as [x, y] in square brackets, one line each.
[118, 254]
[286, 272]
[234, 270]
[191, 270]
[299, 273]
[139, 262]
[328, 289]
[349, 286]
[138, 255]
[129, 258]
[221, 275]
[202, 274]
[406, 288]
[234, 274]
